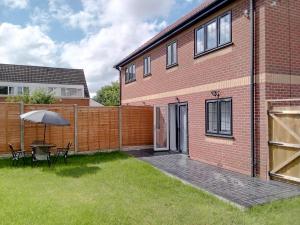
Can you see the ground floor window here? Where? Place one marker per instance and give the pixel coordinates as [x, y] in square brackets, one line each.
[219, 116]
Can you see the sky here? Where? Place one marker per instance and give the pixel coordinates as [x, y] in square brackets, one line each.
[86, 34]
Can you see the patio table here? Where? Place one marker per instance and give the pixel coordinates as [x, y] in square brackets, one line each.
[41, 151]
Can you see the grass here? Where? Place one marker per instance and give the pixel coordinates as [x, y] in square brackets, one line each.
[112, 188]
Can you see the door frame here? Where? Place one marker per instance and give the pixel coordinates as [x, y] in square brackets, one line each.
[167, 148]
[178, 104]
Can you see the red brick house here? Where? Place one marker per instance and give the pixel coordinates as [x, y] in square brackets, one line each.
[209, 75]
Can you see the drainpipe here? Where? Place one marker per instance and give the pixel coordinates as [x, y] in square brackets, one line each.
[120, 83]
[252, 87]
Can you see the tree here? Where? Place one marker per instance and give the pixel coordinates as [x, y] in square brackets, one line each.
[39, 96]
[109, 95]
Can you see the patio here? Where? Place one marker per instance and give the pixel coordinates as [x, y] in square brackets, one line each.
[241, 190]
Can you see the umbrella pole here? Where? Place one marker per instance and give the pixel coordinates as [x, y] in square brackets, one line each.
[45, 133]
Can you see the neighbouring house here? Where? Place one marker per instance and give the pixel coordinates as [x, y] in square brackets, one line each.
[68, 85]
[209, 76]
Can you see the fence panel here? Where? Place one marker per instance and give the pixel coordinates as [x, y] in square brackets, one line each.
[137, 125]
[98, 128]
[10, 126]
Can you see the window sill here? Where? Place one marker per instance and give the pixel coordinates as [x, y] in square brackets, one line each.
[171, 66]
[129, 82]
[147, 75]
[212, 50]
[220, 136]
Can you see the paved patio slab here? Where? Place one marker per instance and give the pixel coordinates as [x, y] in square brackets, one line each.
[242, 190]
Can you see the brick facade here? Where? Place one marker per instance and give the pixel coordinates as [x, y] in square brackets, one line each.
[277, 66]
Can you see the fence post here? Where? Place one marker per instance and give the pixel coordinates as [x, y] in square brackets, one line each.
[120, 127]
[22, 127]
[75, 128]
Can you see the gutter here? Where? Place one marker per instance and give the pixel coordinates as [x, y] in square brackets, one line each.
[252, 86]
[200, 15]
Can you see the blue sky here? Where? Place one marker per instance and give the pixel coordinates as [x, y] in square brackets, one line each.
[88, 34]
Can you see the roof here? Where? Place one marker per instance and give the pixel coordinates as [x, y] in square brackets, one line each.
[204, 9]
[44, 75]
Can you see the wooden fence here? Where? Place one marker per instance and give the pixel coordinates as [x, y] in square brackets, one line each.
[284, 139]
[91, 129]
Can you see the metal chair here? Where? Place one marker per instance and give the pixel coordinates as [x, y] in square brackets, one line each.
[63, 152]
[17, 155]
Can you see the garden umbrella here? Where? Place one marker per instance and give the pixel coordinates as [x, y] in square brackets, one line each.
[45, 117]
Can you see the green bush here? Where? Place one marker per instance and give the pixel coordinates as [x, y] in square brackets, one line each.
[39, 96]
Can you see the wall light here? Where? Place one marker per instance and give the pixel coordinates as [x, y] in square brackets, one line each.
[215, 93]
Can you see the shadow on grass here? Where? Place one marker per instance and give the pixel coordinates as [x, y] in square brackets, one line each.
[78, 171]
[75, 162]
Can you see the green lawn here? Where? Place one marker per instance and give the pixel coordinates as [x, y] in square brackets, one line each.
[112, 188]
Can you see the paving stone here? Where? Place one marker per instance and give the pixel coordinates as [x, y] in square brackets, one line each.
[237, 188]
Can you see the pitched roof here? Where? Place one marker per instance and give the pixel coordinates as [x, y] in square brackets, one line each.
[196, 13]
[44, 75]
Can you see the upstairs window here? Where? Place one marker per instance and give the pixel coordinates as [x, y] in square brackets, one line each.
[147, 66]
[130, 74]
[213, 35]
[172, 54]
[219, 116]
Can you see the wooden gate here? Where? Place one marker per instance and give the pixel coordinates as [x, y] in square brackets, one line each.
[284, 140]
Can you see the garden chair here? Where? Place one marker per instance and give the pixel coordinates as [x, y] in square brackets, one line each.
[17, 155]
[63, 152]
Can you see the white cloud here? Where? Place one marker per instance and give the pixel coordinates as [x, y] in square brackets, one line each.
[41, 18]
[124, 26]
[21, 4]
[26, 45]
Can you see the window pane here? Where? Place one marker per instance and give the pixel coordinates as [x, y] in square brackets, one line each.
[133, 72]
[212, 114]
[20, 90]
[25, 90]
[174, 53]
[3, 90]
[169, 55]
[212, 35]
[11, 91]
[200, 40]
[126, 75]
[225, 108]
[145, 66]
[79, 93]
[225, 29]
[149, 65]
[130, 73]
[63, 92]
